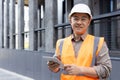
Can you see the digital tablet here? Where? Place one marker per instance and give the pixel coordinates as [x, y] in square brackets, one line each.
[54, 59]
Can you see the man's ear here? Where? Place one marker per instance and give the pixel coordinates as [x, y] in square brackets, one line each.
[90, 21]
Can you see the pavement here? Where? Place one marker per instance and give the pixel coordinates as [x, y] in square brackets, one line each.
[8, 75]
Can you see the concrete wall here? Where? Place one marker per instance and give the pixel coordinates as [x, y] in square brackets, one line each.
[27, 63]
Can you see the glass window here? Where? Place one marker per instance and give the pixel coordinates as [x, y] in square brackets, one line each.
[109, 26]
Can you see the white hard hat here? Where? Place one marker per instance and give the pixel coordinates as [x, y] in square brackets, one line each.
[80, 8]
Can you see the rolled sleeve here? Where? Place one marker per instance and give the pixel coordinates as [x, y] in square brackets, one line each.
[103, 63]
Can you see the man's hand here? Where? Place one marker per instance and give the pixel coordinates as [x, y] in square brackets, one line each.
[53, 66]
[72, 69]
[80, 70]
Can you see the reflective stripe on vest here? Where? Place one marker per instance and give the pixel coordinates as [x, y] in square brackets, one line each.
[96, 41]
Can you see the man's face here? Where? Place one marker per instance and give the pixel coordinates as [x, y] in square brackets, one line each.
[80, 23]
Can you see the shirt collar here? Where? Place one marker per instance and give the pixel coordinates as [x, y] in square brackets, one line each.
[82, 37]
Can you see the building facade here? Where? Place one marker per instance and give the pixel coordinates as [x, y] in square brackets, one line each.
[35, 25]
[34, 28]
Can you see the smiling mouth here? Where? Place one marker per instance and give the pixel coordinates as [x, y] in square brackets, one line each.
[79, 27]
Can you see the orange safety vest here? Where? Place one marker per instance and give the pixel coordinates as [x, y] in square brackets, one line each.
[84, 58]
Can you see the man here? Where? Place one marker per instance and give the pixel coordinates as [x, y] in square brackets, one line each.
[78, 50]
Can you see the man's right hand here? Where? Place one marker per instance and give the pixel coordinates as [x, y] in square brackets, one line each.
[53, 66]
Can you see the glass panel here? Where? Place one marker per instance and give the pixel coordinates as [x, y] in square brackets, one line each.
[26, 28]
[26, 41]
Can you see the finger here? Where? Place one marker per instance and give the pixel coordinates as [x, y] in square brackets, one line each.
[54, 66]
[51, 63]
[67, 65]
[70, 72]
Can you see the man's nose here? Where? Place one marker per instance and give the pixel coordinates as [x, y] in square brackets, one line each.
[79, 21]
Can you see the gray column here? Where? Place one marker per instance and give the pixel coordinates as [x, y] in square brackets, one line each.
[12, 23]
[1, 23]
[33, 23]
[50, 21]
[6, 23]
[20, 24]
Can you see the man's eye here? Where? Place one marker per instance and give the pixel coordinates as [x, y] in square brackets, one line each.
[83, 19]
[76, 18]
